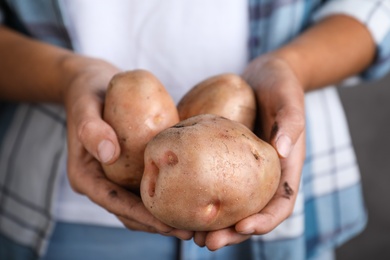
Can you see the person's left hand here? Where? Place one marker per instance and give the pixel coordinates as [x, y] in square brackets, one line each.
[280, 99]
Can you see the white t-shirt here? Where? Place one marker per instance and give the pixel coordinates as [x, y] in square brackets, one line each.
[180, 41]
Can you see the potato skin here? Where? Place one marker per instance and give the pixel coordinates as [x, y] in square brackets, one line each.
[207, 173]
[138, 107]
[226, 95]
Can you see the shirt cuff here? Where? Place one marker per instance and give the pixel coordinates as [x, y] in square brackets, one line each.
[375, 15]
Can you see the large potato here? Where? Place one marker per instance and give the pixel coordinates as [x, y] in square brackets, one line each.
[226, 95]
[138, 107]
[207, 173]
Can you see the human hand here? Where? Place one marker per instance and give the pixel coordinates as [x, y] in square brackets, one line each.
[91, 141]
[281, 119]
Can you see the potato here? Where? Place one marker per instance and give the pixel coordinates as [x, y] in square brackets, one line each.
[138, 107]
[207, 173]
[226, 95]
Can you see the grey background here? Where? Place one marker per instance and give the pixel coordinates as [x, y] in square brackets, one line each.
[368, 112]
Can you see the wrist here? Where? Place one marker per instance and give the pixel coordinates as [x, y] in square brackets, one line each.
[83, 74]
[297, 63]
[279, 64]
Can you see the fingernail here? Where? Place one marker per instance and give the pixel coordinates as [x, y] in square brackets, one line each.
[106, 150]
[283, 145]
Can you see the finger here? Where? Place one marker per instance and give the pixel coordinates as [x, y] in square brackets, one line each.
[281, 205]
[200, 238]
[94, 133]
[87, 178]
[267, 220]
[136, 226]
[224, 237]
[287, 128]
[181, 234]
[277, 210]
[122, 203]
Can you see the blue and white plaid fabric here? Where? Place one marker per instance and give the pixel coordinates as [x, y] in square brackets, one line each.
[329, 208]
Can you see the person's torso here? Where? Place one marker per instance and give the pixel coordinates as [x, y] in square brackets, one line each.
[181, 42]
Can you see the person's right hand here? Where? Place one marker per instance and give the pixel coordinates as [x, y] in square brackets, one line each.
[91, 141]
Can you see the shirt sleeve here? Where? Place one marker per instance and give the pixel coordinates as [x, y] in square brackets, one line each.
[375, 15]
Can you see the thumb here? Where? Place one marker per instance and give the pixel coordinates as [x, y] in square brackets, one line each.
[97, 136]
[99, 139]
[288, 126]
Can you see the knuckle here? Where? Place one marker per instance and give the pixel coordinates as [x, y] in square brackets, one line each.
[292, 120]
[299, 119]
[295, 116]
[86, 128]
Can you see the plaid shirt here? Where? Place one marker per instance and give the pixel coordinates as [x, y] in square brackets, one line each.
[329, 208]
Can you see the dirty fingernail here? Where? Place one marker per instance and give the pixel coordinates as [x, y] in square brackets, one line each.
[283, 145]
[106, 150]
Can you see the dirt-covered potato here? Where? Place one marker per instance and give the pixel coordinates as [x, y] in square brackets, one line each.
[226, 95]
[138, 107]
[207, 173]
